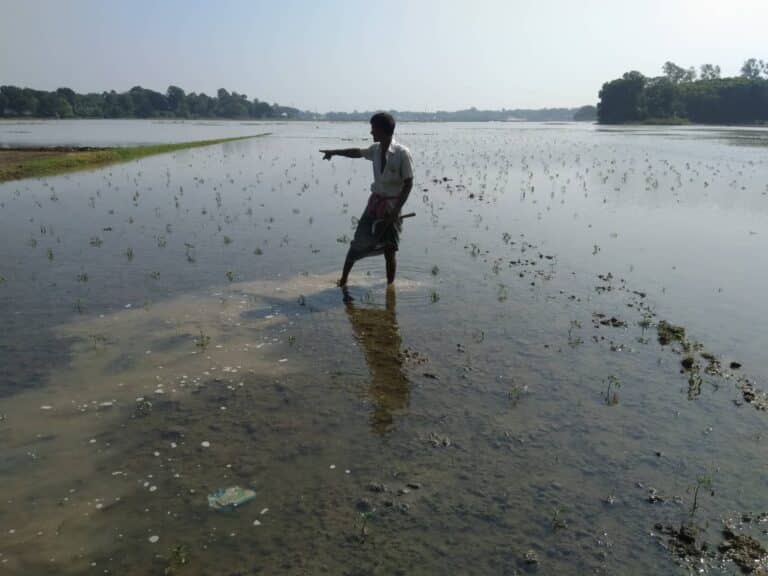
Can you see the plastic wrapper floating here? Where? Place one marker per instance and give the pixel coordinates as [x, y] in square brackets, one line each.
[228, 498]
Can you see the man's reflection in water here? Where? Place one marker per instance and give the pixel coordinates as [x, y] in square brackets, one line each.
[379, 335]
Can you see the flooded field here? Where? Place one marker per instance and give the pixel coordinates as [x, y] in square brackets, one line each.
[569, 377]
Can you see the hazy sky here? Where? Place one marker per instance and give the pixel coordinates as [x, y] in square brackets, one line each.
[362, 54]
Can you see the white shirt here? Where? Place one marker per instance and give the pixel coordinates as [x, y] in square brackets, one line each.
[399, 167]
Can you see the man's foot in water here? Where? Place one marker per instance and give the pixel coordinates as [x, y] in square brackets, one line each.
[346, 296]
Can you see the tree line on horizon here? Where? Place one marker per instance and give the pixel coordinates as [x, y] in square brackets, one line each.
[137, 102]
[681, 95]
[467, 115]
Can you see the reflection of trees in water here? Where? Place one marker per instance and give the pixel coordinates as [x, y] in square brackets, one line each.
[377, 331]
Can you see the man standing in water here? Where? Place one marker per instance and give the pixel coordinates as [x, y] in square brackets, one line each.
[378, 231]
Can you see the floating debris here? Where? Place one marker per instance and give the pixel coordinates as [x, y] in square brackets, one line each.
[230, 497]
[531, 557]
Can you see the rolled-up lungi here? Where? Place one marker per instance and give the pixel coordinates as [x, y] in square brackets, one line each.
[371, 237]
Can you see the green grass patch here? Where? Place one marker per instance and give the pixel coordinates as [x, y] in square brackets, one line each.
[17, 163]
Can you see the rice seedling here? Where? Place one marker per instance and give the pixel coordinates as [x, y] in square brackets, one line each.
[611, 396]
[515, 393]
[702, 482]
[574, 341]
[365, 517]
[202, 340]
[557, 522]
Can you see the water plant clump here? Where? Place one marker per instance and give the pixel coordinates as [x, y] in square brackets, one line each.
[669, 333]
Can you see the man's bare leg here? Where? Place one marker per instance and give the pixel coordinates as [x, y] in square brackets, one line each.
[345, 273]
[389, 255]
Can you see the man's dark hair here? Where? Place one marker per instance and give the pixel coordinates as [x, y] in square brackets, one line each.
[384, 121]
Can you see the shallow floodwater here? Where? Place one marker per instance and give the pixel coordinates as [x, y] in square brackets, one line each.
[171, 327]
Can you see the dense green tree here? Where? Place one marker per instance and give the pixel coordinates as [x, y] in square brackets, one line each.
[10, 94]
[622, 100]
[662, 99]
[676, 74]
[709, 72]
[177, 102]
[69, 95]
[20, 101]
[712, 99]
[200, 105]
[138, 102]
[89, 106]
[29, 102]
[54, 105]
[751, 69]
[586, 114]
[260, 109]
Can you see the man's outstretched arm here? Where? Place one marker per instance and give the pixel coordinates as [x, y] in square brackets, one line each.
[346, 152]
